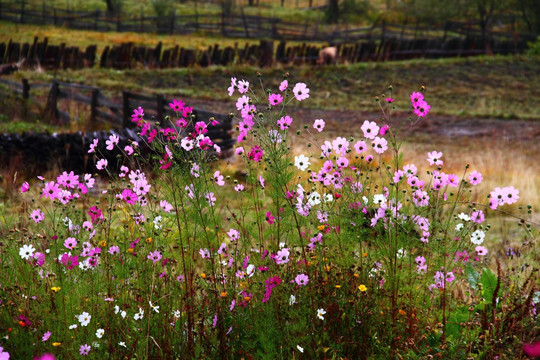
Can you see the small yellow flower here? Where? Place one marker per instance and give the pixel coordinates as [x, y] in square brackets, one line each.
[130, 250]
[338, 286]
[56, 289]
[321, 227]
[203, 275]
[356, 275]
[56, 344]
[362, 288]
[149, 240]
[243, 285]
[402, 312]
[247, 298]
[364, 254]
[102, 243]
[327, 268]
[223, 294]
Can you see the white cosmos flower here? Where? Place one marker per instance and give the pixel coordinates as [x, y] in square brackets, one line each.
[26, 252]
[301, 162]
[292, 300]
[379, 199]
[250, 270]
[477, 237]
[139, 315]
[320, 313]
[314, 198]
[328, 198]
[71, 327]
[464, 217]
[459, 226]
[99, 333]
[123, 314]
[301, 349]
[84, 318]
[154, 307]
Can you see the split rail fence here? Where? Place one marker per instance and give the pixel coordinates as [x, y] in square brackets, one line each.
[106, 111]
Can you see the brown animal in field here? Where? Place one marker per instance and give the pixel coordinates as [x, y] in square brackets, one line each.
[327, 56]
[7, 69]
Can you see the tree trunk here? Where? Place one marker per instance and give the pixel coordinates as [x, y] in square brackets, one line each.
[110, 6]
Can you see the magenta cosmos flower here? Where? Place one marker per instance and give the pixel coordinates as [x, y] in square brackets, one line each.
[129, 196]
[155, 256]
[84, 349]
[285, 122]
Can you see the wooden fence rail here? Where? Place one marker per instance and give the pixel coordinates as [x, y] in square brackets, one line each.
[104, 110]
[238, 25]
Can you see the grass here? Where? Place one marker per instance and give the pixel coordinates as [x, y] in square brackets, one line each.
[487, 86]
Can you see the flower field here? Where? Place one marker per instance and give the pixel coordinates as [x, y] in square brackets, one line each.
[300, 246]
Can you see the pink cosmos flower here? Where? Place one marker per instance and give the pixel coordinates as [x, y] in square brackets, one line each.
[342, 162]
[141, 187]
[416, 97]
[284, 85]
[475, 178]
[384, 130]
[66, 180]
[380, 145]
[389, 100]
[37, 215]
[233, 234]
[285, 122]
[301, 279]
[70, 243]
[164, 204]
[275, 99]
[181, 123]
[200, 127]
[210, 198]
[84, 349]
[300, 91]
[113, 140]
[46, 336]
[239, 188]
[38, 259]
[319, 125]
[231, 88]
[102, 164]
[340, 145]
[480, 250]
[422, 109]
[51, 190]
[360, 147]
[113, 250]
[155, 256]
[478, 216]
[269, 218]
[25, 187]
[93, 146]
[410, 170]
[282, 256]
[243, 86]
[434, 158]
[370, 129]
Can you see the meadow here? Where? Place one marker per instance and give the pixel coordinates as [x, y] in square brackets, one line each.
[370, 211]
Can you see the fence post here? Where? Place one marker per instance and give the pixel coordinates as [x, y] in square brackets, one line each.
[43, 13]
[51, 109]
[160, 102]
[93, 107]
[25, 95]
[171, 24]
[21, 20]
[126, 122]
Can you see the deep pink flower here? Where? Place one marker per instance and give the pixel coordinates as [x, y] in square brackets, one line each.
[51, 190]
[177, 105]
[269, 218]
[69, 261]
[256, 153]
[422, 109]
[416, 97]
[95, 214]
[129, 196]
[285, 122]
[284, 84]
[155, 256]
[25, 187]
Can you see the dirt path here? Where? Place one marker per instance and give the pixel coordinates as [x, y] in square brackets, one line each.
[438, 126]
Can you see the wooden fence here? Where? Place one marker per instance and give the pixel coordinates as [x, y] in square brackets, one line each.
[239, 25]
[117, 114]
[129, 55]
